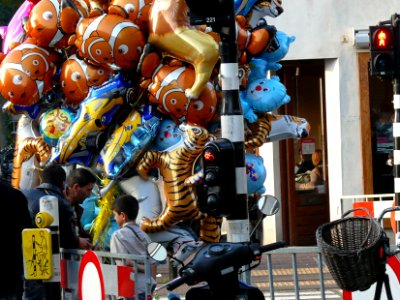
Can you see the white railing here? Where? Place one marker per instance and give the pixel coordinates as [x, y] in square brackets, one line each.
[381, 201]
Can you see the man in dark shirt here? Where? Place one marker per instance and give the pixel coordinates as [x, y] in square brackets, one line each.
[14, 219]
[80, 183]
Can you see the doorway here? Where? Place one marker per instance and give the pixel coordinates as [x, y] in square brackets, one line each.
[376, 117]
[305, 199]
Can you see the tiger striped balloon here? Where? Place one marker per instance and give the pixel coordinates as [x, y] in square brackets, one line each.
[175, 166]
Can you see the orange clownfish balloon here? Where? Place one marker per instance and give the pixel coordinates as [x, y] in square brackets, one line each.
[34, 60]
[109, 39]
[51, 22]
[135, 10]
[168, 87]
[77, 77]
[26, 74]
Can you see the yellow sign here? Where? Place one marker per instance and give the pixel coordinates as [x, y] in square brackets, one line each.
[37, 251]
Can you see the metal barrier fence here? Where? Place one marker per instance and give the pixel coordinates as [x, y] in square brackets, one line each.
[100, 273]
[298, 272]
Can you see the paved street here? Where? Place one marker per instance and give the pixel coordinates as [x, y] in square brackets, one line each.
[283, 278]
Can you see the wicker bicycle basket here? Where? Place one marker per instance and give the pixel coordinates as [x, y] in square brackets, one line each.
[351, 250]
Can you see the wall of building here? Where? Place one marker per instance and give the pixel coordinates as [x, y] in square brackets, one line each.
[325, 30]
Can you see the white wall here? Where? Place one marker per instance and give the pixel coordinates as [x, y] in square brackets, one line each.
[272, 225]
[324, 30]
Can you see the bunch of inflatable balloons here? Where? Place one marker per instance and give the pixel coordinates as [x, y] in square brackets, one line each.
[130, 89]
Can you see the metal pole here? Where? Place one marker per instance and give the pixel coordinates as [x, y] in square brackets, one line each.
[396, 147]
[232, 127]
[396, 124]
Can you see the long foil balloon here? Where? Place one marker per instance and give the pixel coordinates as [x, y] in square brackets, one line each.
[105, 204]
[170, 31]
[175, 166]
[28, 148]
[28, 175]
[271, 127]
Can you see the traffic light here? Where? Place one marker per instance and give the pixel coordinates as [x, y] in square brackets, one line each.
[218, 162]
[383, 51]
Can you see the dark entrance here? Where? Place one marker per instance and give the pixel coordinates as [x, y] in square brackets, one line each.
[304, 205]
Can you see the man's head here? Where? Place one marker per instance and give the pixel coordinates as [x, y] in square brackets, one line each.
[54, 174]
[125, 208]
[80, 183]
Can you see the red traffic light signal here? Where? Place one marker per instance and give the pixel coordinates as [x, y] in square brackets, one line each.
[209, 155]
[383, 51]
[382, 38]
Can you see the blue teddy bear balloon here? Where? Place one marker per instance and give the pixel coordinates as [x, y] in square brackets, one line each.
[274, 57]
[262, 94]
[168, 135]
[255, 173]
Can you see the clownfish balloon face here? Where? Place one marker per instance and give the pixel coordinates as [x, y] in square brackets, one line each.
[77, 77]
[97, 50]
[47, 18]
[109, 40]
[73, 81]
[97, 75]
[171, 99]
[42, 23]
[168, 91]
[26, 74]
[17, 87]
[135, 10]
[37, 62]
[70, 16]
[37, 65]
[202, 110]
[128, 47]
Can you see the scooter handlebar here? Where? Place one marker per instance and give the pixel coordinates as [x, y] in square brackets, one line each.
[173, 284]
[273, 246]
[213, 258]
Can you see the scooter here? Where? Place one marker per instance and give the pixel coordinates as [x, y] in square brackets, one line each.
[219, 264]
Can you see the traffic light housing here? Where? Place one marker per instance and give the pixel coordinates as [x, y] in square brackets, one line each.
[210, 12]
[218, 162]
[383, 50]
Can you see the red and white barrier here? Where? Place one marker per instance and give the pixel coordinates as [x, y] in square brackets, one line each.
[90, 275]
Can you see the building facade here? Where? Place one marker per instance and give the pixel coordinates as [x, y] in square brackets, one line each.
[326, 74]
